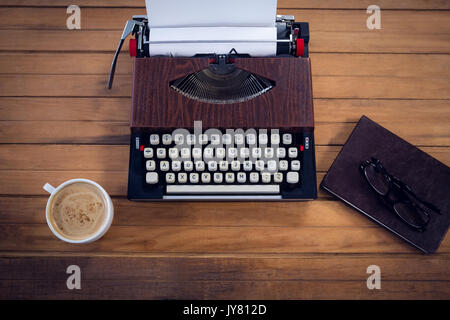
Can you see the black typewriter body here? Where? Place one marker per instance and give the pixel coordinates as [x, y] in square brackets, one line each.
[140, 190]
[255, 140]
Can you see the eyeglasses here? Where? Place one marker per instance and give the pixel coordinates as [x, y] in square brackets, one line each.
[397, 195]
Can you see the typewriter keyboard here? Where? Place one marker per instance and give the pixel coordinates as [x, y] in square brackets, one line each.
[263, 162]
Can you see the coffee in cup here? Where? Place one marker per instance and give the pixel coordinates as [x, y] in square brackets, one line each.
[78, 211]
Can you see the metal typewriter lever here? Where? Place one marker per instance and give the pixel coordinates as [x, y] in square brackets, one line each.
[129, 28]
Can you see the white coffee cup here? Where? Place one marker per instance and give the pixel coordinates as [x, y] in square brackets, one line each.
[103, 228]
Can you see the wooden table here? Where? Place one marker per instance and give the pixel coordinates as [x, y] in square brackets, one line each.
[58, 121]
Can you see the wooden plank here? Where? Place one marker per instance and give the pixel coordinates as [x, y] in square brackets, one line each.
[324, 41]
[20, 182]
[385, 111]
[95, 132]
[358, 4]
[323, 64]
[66, 109]
[64, 85]
[348, 87]
[211, 239]
[403, 22]
[64, 132]
[118, 109]
[386, 87]
[320, 213]
[324, 4]
[115, 157]
[298, 268]
[331, 31]
[240, 290]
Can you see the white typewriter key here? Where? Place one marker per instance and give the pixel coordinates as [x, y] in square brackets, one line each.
[241, 177]
[295, 165]
[197, 153]
[218, 177]
[193, 177]
[150, 165]
[164, 166]
[271, 165]
[247, 165]
[161, 153]
[208, 153]
[259, 165]
[235, 165]
[254, 177]
[203, 138]
[173, 153]
[185, 153]
[232, 153]
[292, 152]
[292, 177]
[251, 138]
[244, 153]
[239, 138]
[226, 139]
[262, 139]
[256, 153]
[170, 177]
[268, 153]
[176, 165]
[283, 165]
[220, 153]
[206, 177]
[188, 166]
[199, 166]
[265, 177]
[223, 165]
[154, 139]
[287, 138]
[167, 139]
[275, 138]
[229, 177]
[281, 153]
[190, 139]
[151, 177]
[215, 139]
[178, 138]
[182, 177]
[278, 177]
[212, 166]
[148, 153]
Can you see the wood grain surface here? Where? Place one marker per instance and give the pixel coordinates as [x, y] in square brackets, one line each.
[58, 121]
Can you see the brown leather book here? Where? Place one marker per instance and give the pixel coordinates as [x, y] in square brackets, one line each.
[428, 178]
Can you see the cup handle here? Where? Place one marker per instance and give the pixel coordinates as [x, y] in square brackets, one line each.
[49, 188]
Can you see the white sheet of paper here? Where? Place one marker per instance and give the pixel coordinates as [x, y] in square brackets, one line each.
[210, 13]
[183, 28]
[186, 42]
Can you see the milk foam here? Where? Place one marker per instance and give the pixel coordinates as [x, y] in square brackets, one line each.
[78, 210]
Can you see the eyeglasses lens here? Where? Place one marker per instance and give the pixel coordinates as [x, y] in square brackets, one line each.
[410, 214]
[377, 180]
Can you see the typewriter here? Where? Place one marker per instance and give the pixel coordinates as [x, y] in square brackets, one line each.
[221, 126]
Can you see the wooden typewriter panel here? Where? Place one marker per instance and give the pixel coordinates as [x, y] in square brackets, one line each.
[287, 105]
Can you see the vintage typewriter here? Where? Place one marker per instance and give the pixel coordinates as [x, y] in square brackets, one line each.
[221, 126]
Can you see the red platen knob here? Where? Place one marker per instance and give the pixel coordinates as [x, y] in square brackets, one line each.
[300, 47]
[132, 46]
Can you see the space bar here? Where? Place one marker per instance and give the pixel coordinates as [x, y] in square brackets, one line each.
[224, 189]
